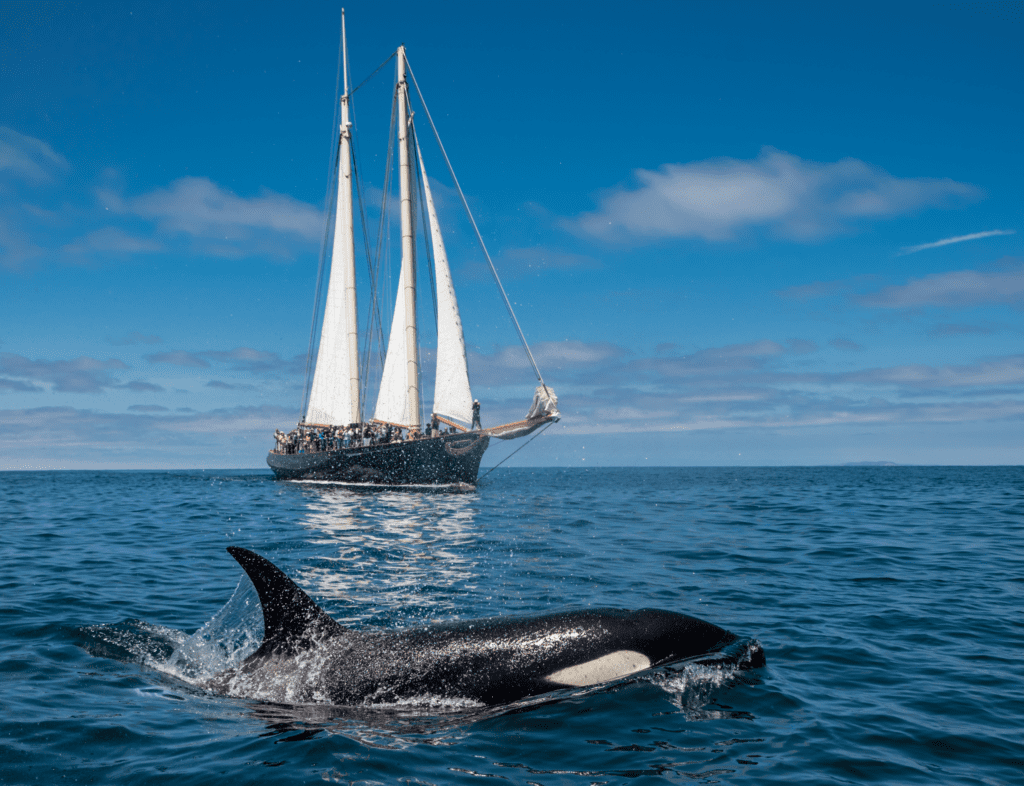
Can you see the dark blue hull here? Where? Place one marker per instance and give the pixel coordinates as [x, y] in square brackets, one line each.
[441, 460]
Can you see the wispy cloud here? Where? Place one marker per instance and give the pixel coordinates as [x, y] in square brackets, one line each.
[819, 289]
[18, 386]
[193, 214]
[957, 289]
[179, 358]
[113, 239]
[81, 375]
[763, 384]
[146, 436]
[959, 239]
[141, 387]
[791, 197]
[507, 363]
[221, 222]
[28, 159]
[1007, 370]
[242, 359]
[219, 385]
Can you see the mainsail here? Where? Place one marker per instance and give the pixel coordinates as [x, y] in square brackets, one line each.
[334, 396]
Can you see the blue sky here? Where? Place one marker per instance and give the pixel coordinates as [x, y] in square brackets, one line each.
[736, 233]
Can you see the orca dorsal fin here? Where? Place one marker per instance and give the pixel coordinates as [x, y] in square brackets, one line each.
[291, 618]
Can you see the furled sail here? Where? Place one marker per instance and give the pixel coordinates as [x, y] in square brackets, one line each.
[334, 396]
[452, 396]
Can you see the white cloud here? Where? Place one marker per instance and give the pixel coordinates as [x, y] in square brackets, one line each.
[27, 158]
[994, 372]
[115, 240]
[506, 364]
[241, 359]
[959, 239]
[143, 437]
[958, 289]
[224, 223]
[794, 198]
[81, 375]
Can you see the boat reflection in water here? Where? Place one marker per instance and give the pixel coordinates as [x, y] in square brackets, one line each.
[392, 557]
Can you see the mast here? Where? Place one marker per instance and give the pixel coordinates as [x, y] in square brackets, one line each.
[408, 302]
[345, 187]
[334, 397]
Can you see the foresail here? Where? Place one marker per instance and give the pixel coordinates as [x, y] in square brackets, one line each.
[334, 396]
[452, 396]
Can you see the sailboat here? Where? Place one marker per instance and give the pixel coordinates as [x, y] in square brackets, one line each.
[397, 446]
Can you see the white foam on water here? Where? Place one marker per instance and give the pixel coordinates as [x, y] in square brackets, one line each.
[429, 701]
[690, 685]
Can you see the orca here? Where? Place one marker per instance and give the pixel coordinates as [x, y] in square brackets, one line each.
[307, 657]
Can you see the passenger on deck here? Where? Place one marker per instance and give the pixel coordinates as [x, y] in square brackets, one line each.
[476, 415]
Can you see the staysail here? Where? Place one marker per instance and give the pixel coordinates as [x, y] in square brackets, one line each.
[452, 396]
[334, 396]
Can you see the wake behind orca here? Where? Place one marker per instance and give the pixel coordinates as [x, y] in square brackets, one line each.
[307, 657]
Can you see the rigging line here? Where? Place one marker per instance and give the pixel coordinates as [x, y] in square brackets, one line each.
[374, 315]
[328, 225]
[510, 455]
[479, 237]
[373, 282]
[378, 68]
[384, 227]
[376, 262]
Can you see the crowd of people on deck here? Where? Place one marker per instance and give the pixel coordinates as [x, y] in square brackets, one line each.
[313, 439]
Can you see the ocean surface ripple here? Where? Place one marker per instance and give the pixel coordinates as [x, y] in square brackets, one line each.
[888, 602]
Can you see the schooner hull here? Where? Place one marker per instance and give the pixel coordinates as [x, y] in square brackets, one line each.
[442, 460]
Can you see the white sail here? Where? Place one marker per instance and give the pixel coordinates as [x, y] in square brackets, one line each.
[334, 397]
[452, 396]
[399, 398]
[393, 398]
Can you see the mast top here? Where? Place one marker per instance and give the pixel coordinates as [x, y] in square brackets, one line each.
[344, 55]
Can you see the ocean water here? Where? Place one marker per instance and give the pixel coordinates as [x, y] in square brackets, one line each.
[889, 602]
